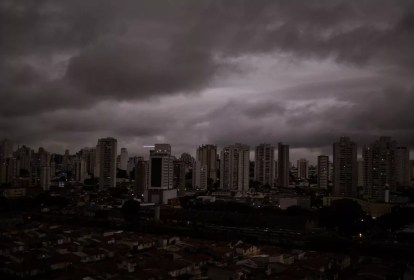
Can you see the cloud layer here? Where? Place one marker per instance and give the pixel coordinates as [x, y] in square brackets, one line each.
[194, 72]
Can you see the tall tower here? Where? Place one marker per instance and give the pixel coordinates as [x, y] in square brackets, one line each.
[179, 176]
[161, 175]
[379, 167]
[323, 171]
[24, 158]
[345, 167]
[303, 168]
[124, 159]
[107, 150]
[264, 165]
[200, 175]
[6, 150]
[283, 165]
[234, 168]
[361, 173]
[207, 156]
[45, 178]
[141, 177]
[402, 166]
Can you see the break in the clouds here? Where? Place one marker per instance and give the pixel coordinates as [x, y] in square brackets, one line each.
[193, 72]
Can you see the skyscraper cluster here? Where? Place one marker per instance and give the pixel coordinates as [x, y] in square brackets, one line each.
[383, 166]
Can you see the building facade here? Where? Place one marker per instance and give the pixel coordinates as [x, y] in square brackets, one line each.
[323, 171]
[402, 168]
[283, 165]
[161, 175]
[379, 166]
[123, 164]
[207, 157]
[107, 151]
[264, 164]
[303, 168]
[234, 168]
[345, 168]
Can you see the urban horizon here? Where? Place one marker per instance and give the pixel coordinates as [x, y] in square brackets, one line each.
[295, 152]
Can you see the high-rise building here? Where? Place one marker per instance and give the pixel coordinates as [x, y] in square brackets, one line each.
[67, 162]
[107, 150]
[234, 168]
[323, 171]
[97, 165]
[200, 175]
[132, 163]
[379, 167]
[361, 173]
[402, 168]
[83, 164]
[161, 167]
[141, 177]
[161, 175]
[283, 165]
[9, 171]
[179, 176]
[123, 159]
[264, 164]
[80, 165]
[92, 161]
[38, 161]
[24, 158]
[207, 156]
[345, 168]
[6, 150]
[303, 169]
[331, 171]
[45, 178]
[189, 169]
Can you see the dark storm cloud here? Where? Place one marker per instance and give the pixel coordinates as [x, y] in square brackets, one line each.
[140, 71]
[74, 55]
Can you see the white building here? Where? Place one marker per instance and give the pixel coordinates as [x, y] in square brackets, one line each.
[161, 175]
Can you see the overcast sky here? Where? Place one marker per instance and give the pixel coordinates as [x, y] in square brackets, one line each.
[194, 72]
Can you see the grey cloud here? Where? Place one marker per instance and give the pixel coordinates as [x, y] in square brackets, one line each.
[144, 51]
[135, 72]
[193, 33]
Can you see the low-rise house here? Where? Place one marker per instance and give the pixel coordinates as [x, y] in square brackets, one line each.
[176, 268]
[247, 250]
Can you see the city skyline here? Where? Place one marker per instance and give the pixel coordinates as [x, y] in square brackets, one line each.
[262, 71]
[145, 150]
